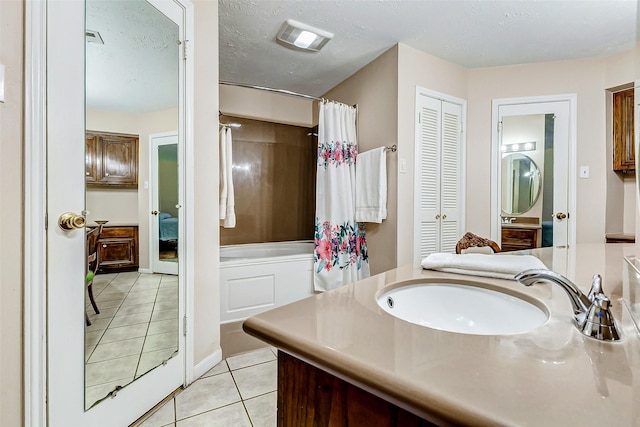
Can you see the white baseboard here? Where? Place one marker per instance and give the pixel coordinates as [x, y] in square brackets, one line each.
[145, 270]
[207, 363]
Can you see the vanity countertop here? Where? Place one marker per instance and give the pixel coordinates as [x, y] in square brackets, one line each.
[520, 225]
[551, 376]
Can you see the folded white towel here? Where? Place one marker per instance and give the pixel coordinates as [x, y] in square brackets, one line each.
[371, 186]
[498, 266]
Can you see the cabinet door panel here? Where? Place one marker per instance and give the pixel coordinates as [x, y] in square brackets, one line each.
[623, 147]
[119, 160]
[91, 159]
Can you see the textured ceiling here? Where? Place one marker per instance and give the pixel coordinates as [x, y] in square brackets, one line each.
[471, 33]
[135, 70]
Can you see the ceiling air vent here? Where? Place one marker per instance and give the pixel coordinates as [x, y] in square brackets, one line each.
[93, 37]
[303, 36]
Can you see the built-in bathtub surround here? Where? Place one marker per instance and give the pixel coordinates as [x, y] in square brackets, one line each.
[261, 276]
[274, 182]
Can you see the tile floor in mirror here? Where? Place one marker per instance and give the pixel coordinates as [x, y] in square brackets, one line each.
[240, 392]
[136, 330]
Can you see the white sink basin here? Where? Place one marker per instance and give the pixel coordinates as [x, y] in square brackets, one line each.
[462, 308]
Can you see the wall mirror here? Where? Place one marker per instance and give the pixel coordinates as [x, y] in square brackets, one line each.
[132, 193]
[521, 183]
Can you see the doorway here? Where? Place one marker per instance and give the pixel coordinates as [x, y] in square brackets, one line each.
[550, 213]
[164, 187]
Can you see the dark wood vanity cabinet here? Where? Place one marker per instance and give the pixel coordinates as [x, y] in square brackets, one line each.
[623, 147]
[516, 239]
[118, 248]
[111, 160]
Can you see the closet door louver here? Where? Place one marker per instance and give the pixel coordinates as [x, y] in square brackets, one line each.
[438, 164]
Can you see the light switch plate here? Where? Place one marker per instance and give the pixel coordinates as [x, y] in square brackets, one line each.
[1, 82]
[403, 165]
[584, 172]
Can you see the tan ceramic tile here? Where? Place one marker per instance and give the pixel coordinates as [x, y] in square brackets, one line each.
[262, 410]
[110, 370]
[124, 332]
[220, 368]
[136, 309]
[256, 380]
[146, 297]
[161, 341]
[99, 325]
[250, 358]
[206, 394]
[164, 314]
[162, 326]
[151, 359]
[163, 416]
[231, 415]
[117, 349]
[130, 319]
[166, 305]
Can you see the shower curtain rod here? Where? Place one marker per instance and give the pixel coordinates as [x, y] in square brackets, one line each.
[281, 91]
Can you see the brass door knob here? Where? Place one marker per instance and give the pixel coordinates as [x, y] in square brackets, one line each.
[155, 212]
[561, 215]
[69, 221]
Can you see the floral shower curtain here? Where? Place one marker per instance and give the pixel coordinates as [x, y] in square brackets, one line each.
[340, 246]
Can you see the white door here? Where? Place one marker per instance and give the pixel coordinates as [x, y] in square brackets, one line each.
[165, 192]
[561, 217]
[438, 188]
[65, 111]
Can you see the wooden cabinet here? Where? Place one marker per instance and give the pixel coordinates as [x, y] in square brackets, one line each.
[309, 396]
[111, 159]
[623, 146]
[118, 248]
[515, 239]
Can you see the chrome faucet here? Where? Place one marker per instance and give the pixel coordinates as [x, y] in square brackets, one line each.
[591, 312]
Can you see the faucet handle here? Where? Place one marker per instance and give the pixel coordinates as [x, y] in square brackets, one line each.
[599, 322]
[596, 287]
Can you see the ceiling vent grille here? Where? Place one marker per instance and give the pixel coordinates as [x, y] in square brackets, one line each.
[93, 37]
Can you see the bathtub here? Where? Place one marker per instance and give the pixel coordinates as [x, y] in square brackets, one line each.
[260, 276]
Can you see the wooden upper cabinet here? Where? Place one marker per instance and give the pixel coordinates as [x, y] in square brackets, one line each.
[111, 159]
[623, 146]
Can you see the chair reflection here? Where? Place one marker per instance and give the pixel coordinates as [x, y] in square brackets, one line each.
[92, 266]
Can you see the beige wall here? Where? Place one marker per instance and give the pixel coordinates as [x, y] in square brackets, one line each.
[588, 79]
[416, 68]
[11, 230]
[129, 206]
[267, 106]
[375, 89]
[205, 210]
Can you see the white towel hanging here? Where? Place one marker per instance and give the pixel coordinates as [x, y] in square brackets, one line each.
[371, 186]
[227, 210]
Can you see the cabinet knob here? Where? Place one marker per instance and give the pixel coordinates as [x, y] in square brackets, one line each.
[438, 216]
[444, 216]
[87, 173]
[104, 246]
[106, 174]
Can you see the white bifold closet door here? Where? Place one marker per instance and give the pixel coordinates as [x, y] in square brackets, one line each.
[438, 189]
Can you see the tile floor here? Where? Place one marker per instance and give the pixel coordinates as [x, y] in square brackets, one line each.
[240, 392]
[136, 330]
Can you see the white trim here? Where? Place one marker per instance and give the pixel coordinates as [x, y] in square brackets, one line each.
[572, 99]
[420, 91]
[35, 315]
[145, 271]
[207, 363]
[155, 139]
[189, 198]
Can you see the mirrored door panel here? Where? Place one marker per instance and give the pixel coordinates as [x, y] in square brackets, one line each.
[132, 93]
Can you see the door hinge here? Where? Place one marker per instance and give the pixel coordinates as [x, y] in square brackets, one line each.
[46, 222]
[499, 126]
[184, 326]
[184, 49]
[419, 117]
